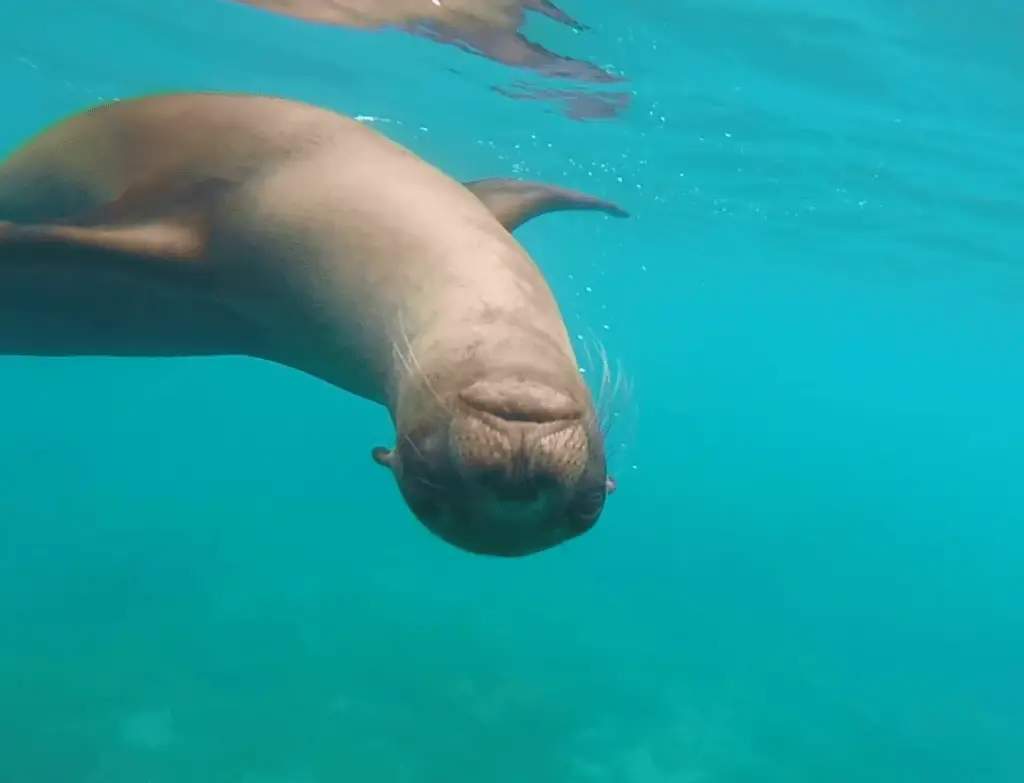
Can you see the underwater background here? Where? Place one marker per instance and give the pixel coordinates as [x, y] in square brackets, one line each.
[812, 568]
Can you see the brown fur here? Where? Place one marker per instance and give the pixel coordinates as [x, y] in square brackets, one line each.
[206, 224]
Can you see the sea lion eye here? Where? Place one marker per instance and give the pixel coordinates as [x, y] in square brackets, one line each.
[590, 504]
[584, 510]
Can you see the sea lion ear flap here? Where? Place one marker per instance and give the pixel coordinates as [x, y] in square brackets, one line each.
[383, 457]
[514, 202]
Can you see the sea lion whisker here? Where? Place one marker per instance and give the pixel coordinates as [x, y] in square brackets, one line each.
[609, 385]
[613, 391]
[413, 446]
[413, 365]
[428, 483]
[616, 392]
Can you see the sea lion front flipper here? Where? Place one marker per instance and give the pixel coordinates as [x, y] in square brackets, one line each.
[151, 240]
[162, 220]
[514, 202]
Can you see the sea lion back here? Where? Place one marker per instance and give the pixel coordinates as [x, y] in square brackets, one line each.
[93, 157]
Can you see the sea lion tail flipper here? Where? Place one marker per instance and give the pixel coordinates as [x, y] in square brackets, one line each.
[514, 202]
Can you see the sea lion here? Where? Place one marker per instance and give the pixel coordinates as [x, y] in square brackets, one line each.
[192, 224]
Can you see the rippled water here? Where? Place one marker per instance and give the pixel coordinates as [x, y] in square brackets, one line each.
[811, 570]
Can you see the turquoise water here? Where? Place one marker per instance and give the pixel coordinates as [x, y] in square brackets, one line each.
[812, 569]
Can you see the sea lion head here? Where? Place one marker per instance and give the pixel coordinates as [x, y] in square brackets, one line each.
[499, 447]
[506, 464]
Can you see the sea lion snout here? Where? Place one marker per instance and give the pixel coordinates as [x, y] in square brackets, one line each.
[515, 467]
[516, 461]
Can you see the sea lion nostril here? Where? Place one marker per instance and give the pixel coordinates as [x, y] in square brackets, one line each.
[509, 414]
